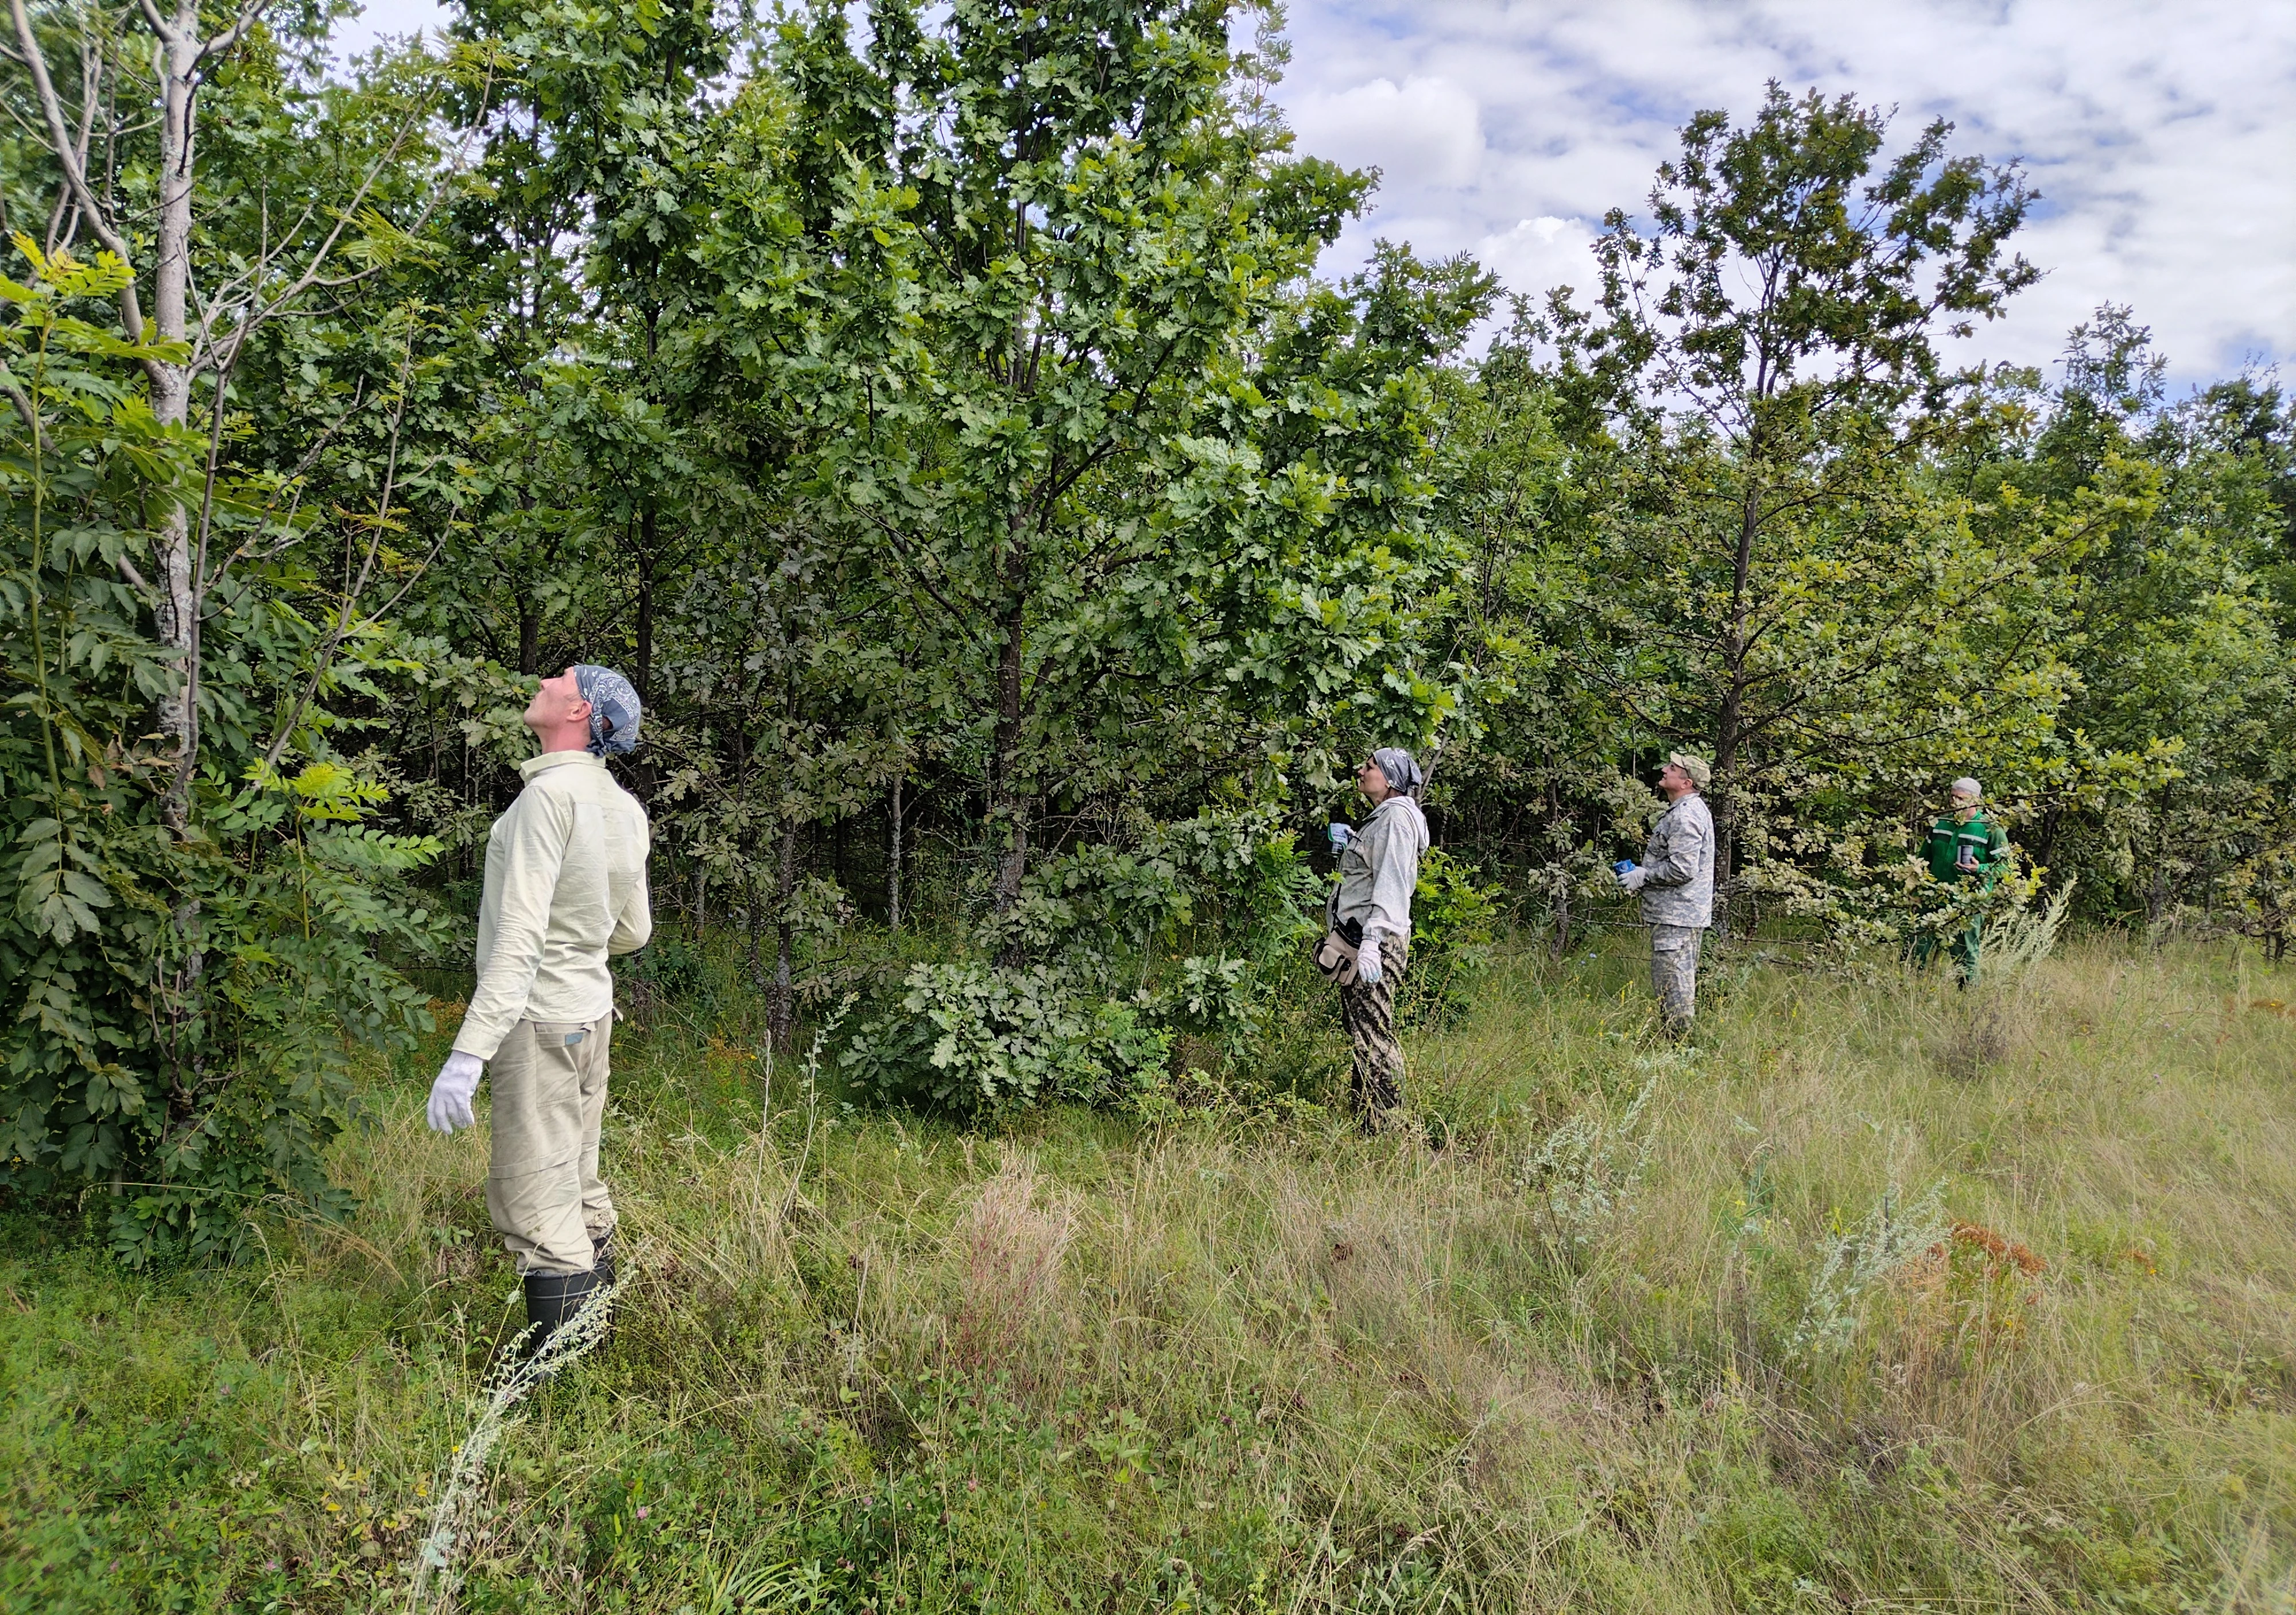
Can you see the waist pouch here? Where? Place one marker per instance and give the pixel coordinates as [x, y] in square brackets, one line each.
[1336, 954]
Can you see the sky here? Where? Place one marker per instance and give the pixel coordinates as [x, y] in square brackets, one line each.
[2161, 137]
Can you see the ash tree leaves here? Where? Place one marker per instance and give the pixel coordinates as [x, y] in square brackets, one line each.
[184, 989]
[59, 882]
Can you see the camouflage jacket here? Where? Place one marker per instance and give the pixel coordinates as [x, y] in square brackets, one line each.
[1678, 866]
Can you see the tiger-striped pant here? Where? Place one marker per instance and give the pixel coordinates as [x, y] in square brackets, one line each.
[1367, 1010]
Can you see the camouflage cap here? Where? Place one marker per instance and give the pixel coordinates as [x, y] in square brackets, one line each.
[1702, 775]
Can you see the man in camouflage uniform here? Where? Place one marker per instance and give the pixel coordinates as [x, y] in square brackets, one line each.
[1675, 878]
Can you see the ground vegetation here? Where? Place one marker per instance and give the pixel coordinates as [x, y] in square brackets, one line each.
[1886, 1295]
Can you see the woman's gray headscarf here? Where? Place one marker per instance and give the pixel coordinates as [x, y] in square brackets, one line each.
[614, 712]
[1402, 773]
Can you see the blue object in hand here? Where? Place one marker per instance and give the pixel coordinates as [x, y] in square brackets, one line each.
[1621, 867]
[1341, 834]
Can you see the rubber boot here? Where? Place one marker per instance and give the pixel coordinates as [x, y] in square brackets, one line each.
[551, 1300]
[602, 1264]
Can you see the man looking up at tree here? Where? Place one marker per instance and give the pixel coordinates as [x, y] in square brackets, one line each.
[1370, 906]
[1675, 878]
[1964, 846]
[565, 888]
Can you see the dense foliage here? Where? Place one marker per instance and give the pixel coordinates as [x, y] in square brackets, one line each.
[938, 414]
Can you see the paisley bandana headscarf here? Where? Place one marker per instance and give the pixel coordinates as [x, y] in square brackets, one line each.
[614, 711]
[1402, 773]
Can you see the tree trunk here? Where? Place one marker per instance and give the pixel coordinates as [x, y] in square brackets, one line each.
[1723, 804]
[649, 532]
[1559, 888]
[2156, 894]
[177, 613]
[1008, 803]
[755, 919]
[529, 638]
[648, 528]
[1730, 725]
[781, 1014]
[180, 56]
[893, 862]
[178, 609]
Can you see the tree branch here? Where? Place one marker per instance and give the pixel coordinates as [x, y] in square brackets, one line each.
[366, 569]
[23, 406]
[59, 141]
[237, 31]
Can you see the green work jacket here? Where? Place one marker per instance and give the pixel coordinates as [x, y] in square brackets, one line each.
[1984, 839]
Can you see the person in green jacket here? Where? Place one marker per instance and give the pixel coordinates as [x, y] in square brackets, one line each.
[1964, 845]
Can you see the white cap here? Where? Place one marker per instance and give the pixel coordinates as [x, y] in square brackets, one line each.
[1968, 787]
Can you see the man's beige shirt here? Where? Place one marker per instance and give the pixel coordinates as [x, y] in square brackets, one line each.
[566, 886]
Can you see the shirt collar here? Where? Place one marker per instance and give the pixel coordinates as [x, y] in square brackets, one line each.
[557, 759]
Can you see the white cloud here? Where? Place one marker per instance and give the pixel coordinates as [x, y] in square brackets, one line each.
[1425, 133]
[1541, 252]
[2161, 135]
[396, 18]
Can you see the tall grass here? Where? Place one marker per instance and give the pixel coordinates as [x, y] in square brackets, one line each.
[516, 1375]
[1623, 1327]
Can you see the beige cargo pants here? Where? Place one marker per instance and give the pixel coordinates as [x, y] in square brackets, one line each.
[543, 1188]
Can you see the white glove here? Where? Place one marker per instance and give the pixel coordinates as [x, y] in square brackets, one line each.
[1367, 960]
[1632, 880]
[450, 1094]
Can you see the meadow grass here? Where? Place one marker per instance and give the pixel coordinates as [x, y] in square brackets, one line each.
[1880, 1297]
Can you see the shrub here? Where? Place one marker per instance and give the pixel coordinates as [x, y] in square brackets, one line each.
[975, 1037]
[1096, 971]
[185, 979]
[1454, 927]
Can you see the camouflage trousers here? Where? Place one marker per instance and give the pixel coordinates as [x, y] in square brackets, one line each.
[1674, 973]
[1367, 1010]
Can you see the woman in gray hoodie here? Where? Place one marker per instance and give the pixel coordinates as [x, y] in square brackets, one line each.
[1371, 907]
